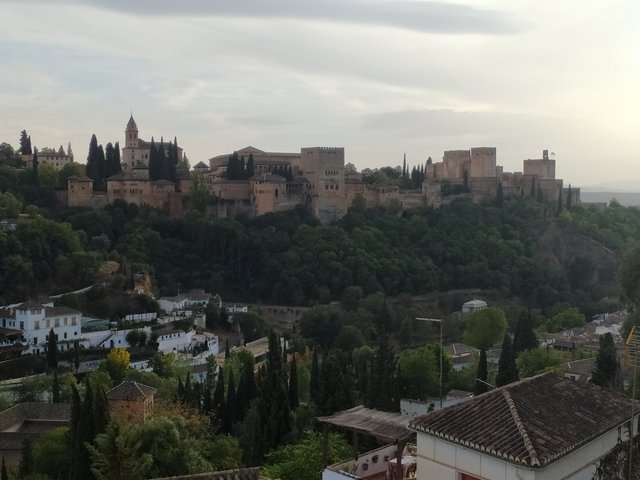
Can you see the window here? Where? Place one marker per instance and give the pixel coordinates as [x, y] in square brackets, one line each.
[36, 325]
[65, 334]
[35, 340]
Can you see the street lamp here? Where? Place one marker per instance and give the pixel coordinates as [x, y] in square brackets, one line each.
[440, 321]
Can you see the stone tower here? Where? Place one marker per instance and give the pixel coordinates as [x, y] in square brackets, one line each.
[323, 167]
[131, 133]
[135, 152]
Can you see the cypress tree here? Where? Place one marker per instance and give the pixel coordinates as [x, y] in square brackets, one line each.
[55, 387]
[607, 372]
[163, 172]
[231, 404]
[34, 167]
[227, 353]
[569, 198]
[101, 163]
[154, 170]
[383, 385]
[76, 355]
[507, 369]
[218, 396]
[334, 390]
[480, 386]
[52, 351]
[250, 166]
[25, 143]
[404, 167]
[92, 160]
[117, 165]
[274, 416]
[5, 474]
[314, 381]
[294, 400]
[524, 337]
[110, 161]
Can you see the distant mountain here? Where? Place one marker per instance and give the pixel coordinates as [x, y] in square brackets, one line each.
[627, 199]
[630, 185]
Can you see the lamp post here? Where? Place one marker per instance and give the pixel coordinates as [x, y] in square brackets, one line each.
[440, 321]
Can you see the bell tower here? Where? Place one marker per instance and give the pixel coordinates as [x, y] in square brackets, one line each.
[131, 133]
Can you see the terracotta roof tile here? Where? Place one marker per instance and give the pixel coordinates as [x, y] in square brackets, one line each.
[129, 390]
[532, 422]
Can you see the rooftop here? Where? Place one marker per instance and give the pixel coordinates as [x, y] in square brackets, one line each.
[532, 422]
[384, 426]
[129, 390]
[239, 474]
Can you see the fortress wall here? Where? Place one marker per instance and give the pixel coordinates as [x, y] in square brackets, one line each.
[231, 189]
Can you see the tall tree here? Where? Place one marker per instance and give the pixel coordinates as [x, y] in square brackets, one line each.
[314, 381]
[524, 337]
[294, 400]
[485, 327]
[383, 382]
[69, 151]
[110, 161]
[25, 143]
[569, 198]
[482, 375]
[231, 404]
[250, 166]
[34, 167]
[52, 351]
[4, 475]
[92, 169]
[607, 372]
[55, 388]
[507, 369]
[335, 387]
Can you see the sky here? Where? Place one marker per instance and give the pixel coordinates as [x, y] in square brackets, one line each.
[381, 78]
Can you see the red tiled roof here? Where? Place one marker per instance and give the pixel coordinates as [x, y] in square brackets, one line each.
[532, 422]
[129, 390]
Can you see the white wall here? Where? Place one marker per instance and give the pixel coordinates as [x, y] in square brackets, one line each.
[442, 460]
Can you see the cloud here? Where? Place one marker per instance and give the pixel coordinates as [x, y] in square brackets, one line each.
[420, 16]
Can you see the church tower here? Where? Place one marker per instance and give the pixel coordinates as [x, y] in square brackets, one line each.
[131, 133]
[134, 152]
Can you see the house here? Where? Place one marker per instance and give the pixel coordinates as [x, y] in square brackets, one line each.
[175, 341]
[473, 305]
[541, 428]
[36, 321]
[462, 355]
[580, 370]
[131, 401]
[27, 421]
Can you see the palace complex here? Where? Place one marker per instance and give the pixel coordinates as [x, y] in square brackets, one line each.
[253, 182]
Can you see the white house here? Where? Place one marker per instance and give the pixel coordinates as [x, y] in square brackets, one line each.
[175, 341]
[473, 305]
[36, 320]
[546, 427]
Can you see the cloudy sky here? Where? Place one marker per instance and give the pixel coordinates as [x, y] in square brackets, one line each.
[379, 77]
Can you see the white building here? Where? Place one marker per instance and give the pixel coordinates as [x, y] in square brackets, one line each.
[543, 428]
[175, 341]
[473, 305]
[36, 321]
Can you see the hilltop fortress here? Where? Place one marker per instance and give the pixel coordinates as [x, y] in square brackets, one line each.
[254, 182]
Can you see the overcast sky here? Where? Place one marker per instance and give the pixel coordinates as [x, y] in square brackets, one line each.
[378, 77]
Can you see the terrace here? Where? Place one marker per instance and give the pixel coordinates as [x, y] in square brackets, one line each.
[394, 461]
